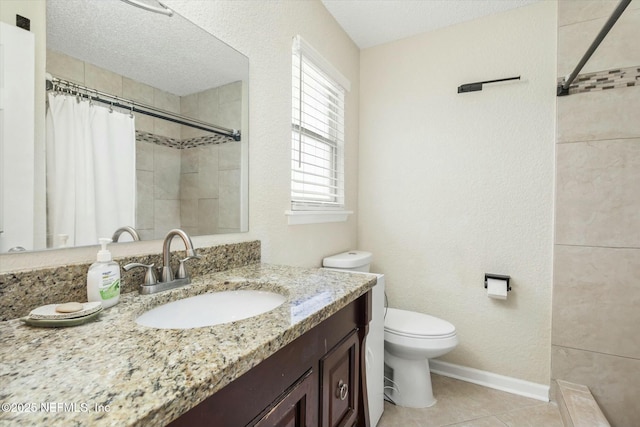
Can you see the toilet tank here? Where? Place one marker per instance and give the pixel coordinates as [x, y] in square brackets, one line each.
[351, 261]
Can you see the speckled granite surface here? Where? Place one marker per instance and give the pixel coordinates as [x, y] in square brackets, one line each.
[21, 292]
[146, 376]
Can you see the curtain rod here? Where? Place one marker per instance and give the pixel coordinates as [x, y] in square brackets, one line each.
[563, 89]
[65, 86]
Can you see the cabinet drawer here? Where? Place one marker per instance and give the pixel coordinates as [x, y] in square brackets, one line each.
[294, 409]
[339, 380]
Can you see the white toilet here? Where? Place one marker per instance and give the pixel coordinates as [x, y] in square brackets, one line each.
[410, 340]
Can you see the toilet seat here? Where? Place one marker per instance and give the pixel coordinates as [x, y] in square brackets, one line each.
[416, 325]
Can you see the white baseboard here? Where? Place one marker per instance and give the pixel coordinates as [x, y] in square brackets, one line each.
[491, 380]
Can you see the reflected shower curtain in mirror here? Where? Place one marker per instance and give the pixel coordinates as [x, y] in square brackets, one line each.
[91, 171]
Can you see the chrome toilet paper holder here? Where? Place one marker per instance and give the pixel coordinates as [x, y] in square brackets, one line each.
[498, 277]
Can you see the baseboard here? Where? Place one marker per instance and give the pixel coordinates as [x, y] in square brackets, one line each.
[491, 380]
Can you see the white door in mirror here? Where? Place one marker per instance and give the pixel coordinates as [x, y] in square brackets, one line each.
[211, 309]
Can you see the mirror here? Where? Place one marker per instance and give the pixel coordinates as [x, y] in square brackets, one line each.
[121, 58]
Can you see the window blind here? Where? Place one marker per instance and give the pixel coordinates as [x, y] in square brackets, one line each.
[317, 148]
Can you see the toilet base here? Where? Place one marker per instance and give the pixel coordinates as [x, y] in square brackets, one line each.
[411, 387]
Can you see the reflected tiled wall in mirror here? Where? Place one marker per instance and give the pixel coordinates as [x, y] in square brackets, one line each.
[186, 177]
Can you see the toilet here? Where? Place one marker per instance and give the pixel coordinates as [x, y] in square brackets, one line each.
[410, 340]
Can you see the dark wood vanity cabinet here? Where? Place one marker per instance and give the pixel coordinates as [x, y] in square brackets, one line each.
[316, 380]
[340, 369]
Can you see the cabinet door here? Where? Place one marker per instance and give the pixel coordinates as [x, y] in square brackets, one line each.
[339, 380]
[295, 408]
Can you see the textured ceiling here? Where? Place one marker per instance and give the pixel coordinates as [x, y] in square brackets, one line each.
[169, 53]
[175, 55]
[373, 22]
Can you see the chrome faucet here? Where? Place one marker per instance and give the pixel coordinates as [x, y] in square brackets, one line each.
[167, 280]
[134, 234]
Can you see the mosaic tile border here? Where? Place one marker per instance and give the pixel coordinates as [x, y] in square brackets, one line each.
[604, 80]
[152, 138]
[206, 140]
[181, 144]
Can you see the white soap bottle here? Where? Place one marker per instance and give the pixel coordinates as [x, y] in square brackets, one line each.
[103, 278]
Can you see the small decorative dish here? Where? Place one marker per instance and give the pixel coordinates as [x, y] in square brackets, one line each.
[63, 315]
[60, 323]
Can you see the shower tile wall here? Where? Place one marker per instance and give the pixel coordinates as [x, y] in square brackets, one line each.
[596, 291]
[210, 182]
[196, 188]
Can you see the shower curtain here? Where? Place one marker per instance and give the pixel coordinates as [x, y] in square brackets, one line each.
[91, 165]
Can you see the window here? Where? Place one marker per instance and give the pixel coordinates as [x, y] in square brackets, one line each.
[317, 128]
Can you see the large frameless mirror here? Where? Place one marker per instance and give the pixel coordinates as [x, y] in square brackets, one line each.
[146, 130]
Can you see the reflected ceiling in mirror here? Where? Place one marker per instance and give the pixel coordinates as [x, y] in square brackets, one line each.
[165, 52]
[185, 177]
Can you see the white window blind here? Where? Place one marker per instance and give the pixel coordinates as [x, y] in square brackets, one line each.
[317, 143]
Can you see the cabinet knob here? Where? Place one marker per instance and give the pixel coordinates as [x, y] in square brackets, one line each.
[342, 391]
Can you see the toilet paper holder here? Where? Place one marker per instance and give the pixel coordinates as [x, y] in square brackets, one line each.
[498, 277]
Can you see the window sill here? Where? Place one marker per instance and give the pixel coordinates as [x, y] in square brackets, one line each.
[316, 217]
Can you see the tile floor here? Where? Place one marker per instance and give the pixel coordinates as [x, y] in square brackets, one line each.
[462, 404]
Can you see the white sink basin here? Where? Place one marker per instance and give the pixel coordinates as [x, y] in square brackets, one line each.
[210, 309]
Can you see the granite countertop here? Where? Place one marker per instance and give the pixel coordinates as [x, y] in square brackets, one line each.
[114, 372]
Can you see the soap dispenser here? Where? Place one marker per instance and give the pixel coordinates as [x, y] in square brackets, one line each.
[103, 278]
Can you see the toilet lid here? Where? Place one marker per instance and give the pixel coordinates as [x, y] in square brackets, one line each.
[412, 324]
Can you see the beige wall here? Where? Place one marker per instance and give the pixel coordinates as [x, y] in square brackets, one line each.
[596, 296]
[264, 32]
[453, 186]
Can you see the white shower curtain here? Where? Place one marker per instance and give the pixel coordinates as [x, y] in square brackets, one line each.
[91, 170]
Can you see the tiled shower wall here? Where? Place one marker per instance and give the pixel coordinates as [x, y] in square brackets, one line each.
[204, 192]
[183, 178]
[193, 178]
[596, 292]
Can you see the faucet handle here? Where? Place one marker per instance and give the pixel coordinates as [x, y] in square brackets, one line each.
[182, 268]
[150, 277]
